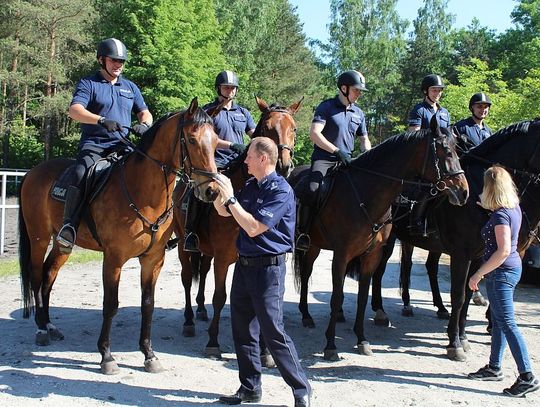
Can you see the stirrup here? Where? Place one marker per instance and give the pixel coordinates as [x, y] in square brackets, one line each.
[191, 243]
[303, 242]
[66, 238]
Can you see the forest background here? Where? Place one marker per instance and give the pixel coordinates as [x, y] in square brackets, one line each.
[176, 48]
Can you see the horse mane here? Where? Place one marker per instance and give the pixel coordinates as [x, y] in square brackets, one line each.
[501, 137]
[389, 146]
[199, 118]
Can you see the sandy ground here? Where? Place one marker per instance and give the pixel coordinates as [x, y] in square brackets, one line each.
[409, 366]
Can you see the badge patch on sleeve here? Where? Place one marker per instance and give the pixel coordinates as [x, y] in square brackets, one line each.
[264, 212]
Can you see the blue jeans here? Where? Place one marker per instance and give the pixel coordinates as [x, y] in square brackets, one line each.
[500, 286]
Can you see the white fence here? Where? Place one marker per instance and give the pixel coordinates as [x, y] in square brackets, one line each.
[12, 177]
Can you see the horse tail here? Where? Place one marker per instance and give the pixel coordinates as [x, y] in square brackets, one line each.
[353, 269]
[25, 264]
[195, 259]
[297, 261]
[404, 278]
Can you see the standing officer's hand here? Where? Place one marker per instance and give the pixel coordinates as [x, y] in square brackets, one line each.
[225, 187]
[140, 128]
[238, 148]
[342, 156]
[110, 125]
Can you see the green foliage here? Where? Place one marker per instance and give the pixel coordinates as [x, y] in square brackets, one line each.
[26, 150]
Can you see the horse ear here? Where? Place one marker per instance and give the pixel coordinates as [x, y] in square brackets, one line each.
[263, 106]
[434, 125]
[213, 112]
[193, 106]
[295, 106]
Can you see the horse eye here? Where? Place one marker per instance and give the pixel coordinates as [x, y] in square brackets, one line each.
[192, 140]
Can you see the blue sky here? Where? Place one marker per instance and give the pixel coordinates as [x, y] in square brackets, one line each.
[495, 14]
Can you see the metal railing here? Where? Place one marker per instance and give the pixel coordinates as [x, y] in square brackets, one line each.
[8, 176]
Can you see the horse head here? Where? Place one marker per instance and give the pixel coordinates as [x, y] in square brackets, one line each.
[278, 124]
[442, 165]
[198, 143]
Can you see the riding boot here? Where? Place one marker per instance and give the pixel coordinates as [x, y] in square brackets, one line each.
[191, 240]
[68, 233]
[418, 221]
[304, 224]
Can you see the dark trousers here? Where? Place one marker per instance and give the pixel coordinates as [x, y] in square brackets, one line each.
[318, 171]
[257, 307]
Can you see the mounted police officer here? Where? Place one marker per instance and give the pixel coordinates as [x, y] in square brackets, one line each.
[419, 118]
[473, 130]
[334, 126]
[231, 123]
[103, 104]
[265, 211]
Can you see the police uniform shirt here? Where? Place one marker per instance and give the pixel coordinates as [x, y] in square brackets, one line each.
[271, 201]
[112, 101]
[230, 125]
[472, 131]
[422, 113]
[341, 124]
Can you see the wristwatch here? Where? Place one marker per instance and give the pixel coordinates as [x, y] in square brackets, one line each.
[101, 120]
[231, 201]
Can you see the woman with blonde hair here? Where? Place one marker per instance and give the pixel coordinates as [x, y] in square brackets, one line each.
[502, 271]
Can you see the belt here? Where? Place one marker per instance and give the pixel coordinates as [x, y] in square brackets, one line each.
[262, 260]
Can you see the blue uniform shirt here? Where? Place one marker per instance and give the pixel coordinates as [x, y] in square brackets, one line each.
[472, 131]
[114, 102]
[271, 201]
[422, 113]
[341, 124]
[230, 125]
[509, 217]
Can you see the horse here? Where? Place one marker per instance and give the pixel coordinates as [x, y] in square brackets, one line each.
[515, 147]
[354, 222]
[130, 217]
[217, 235]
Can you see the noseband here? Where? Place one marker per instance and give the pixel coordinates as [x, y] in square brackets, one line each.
[442, 171]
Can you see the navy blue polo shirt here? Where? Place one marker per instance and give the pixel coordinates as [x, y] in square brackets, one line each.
[230, 125]
[472, 131]
[114, 102]
[341, 124]
[271, 201]
[422, 113]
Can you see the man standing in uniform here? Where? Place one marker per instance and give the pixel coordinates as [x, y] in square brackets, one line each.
[103, 104]
[419, 118]
[265, 212]
[334, 126]
[232, 122]
[473, 129]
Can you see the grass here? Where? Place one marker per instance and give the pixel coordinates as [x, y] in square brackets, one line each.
[10, 267]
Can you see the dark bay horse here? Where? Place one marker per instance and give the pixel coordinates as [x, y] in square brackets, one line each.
[217, 235]
[351, 221]
[131, 217]
[517, 148]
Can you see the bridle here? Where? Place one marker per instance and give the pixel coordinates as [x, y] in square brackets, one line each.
[259, 131]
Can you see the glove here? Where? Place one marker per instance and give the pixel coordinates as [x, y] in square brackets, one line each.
[140, 128]
[110, 125]
[238, 148]
[343, 157]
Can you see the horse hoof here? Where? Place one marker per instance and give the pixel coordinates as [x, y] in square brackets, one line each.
[308, 323]
[153, 366]
[443, 315]
[268, 361]
[466, 345]
[212, 352]
[478, 299]
[56, 335]
[43, 338]
[456, 354]
[381, 319]
[109, 368]
[202, 315]
[407, 311]
[331, 355]
[365, 349]
[188, 331]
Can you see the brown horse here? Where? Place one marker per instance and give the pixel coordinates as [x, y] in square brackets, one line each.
[131, 217]
[354, 221]
[218, 234]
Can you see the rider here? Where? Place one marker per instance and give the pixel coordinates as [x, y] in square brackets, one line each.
[419, 118]
[335, 124]
[102, 103]
[230, 124]
[473, 129]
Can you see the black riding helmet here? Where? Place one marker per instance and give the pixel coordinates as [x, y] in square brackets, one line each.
[431, 80]
[352, 78]
[226, 78]
[112, 48]
[479, 98]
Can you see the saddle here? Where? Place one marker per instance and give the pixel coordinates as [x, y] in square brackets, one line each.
[325, 188]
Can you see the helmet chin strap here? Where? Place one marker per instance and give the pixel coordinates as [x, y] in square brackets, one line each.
[428, 98]
[224, 97]
[346, 95]
[104, 67]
